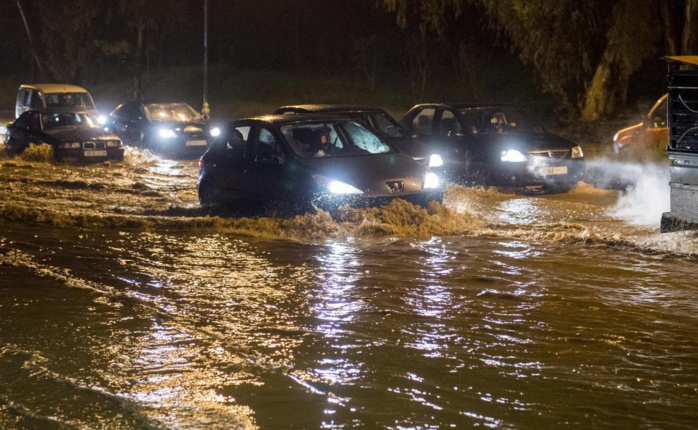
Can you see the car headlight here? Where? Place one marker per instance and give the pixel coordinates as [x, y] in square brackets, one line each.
[435, 160]
[339, 187]
[512, 156]
[69, 145]
[167, 133]
[577, 152]
[215, 132]
[101, 119]
[431, 180]
[113, 143]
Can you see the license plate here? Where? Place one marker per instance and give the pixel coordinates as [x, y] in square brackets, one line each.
[557, 170]
[96, 153]
[196, 143]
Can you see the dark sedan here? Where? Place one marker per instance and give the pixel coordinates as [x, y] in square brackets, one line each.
[378, 121]
[310, 160]
[496, 144]
[74, 136]
[170, 129]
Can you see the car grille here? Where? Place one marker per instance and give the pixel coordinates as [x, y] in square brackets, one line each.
[94, 145]
[551, 154]
[396, 186]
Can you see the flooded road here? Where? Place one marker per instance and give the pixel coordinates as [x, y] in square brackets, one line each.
[123, 305]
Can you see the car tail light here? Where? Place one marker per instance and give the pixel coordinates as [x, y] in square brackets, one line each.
[201, 163]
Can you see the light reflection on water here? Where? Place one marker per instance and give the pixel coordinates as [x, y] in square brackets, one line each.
[535, 316]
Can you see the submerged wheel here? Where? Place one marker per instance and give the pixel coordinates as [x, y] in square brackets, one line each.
[207, 195]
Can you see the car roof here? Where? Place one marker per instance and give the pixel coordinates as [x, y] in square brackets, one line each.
[339, 108]
[468, 105]
[281, 119]
[55, 88]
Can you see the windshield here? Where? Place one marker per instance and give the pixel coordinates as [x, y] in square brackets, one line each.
[337, 139]
[386, 125]
[171, 112]
[65, 119]
[498, 120]
[69, 100]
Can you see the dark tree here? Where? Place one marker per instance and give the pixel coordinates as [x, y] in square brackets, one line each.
[584, 52]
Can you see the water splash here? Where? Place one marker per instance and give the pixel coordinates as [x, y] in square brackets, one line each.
[646, 189]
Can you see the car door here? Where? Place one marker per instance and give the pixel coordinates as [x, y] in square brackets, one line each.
[228, 164]
[266, 166]
[127, 123]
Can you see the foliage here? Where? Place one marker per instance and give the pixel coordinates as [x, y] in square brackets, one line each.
[583, 52]
[42, 152]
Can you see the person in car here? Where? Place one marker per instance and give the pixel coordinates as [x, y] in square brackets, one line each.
[322, 146]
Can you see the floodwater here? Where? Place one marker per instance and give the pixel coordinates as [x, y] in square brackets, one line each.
[123, 305]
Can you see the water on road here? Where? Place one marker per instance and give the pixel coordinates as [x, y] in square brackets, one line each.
[123, 305]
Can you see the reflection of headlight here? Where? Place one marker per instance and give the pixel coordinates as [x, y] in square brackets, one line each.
[215, 132]
[577, 152]
[435, 161]
[166, 133]
[513, 156]
[339, 187]
[69, 145]
[431, 181]
[101, 119]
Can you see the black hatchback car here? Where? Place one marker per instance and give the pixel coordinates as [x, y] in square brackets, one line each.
[170, 129]
[378, 121]
[310, 160]
[496, 144]
[74, 136]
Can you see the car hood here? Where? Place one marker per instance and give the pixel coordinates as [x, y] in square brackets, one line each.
[628, 132]
[370, 173]
[412, 147]
[529, 141]
[71, 134]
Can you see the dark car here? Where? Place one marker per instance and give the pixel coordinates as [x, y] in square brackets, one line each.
[74, 136]
[306, 160]
[171, 129]
[496, 144]
[380, 122]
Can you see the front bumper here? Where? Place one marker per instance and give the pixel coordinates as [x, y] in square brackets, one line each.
[90, 155]
[185, 147]
[562, 173]
[333, 202]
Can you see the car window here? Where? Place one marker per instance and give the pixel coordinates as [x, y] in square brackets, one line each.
[234, 142]
[423, 121]
[68, 119]
[268, 148]
[68, 100]
[33, 99]
[171, 112]
[449, 125]
[364, 139]
[382, 123]
[497, 119]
